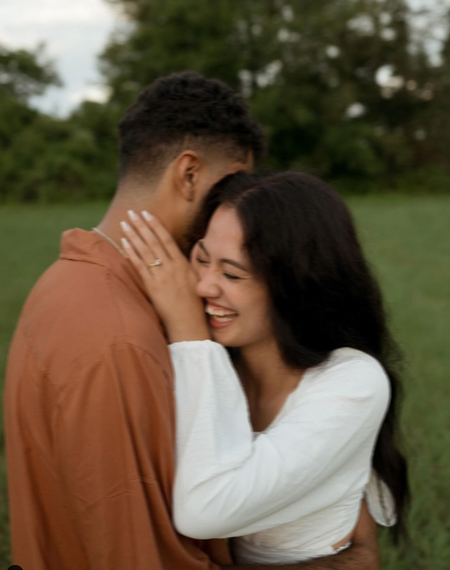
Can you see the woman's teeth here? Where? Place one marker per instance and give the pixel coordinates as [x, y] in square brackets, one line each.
[223, 319]
[220, 315]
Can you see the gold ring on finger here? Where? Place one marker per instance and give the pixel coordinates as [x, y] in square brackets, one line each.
[154, 264]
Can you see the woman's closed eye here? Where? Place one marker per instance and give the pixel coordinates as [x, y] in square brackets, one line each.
[232, 277]
[202, 261]
[229, 276]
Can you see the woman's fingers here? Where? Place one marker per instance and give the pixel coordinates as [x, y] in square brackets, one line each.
[164, 237]
[149, 237]
[141, 249]
[135, 259]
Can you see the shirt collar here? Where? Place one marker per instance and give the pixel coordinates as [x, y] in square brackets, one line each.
[82, 245]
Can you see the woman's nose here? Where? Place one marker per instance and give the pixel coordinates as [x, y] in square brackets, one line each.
[207, 285]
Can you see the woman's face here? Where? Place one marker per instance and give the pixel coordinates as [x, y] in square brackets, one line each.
[236, 303]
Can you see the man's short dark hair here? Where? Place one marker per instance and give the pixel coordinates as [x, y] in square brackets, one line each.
[181, 111]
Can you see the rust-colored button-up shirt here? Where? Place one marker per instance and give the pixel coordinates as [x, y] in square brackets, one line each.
[89, 418]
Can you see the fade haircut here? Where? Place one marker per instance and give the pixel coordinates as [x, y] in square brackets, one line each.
[185, 111]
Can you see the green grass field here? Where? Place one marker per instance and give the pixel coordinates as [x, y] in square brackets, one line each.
[408, 241]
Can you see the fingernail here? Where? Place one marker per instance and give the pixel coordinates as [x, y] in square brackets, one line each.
[147, 215]
[133, 216]
[125, 242]
[125, 226]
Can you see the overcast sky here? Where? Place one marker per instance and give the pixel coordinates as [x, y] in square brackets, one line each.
[75, 32]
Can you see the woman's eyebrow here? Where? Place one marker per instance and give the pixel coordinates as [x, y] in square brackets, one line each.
[229, 261]
[203, 248]
[235, 264]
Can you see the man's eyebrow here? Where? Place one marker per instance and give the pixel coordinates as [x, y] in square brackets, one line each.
[229, 261]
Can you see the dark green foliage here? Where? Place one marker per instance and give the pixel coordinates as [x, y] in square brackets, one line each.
[302, 64]
[51, 160]
[24, 74]
[309, 68]
[46, 159]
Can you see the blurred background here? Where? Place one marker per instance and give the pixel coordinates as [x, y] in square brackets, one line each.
[356, 91]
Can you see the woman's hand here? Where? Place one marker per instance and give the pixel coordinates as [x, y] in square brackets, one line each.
[167, 275]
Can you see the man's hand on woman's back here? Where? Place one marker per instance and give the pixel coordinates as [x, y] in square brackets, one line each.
[363, 554]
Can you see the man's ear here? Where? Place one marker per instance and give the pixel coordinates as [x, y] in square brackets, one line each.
[186, 171]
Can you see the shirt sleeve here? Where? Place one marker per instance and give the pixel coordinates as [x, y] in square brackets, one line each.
[380, 501]
[114, 439]
[229, 483]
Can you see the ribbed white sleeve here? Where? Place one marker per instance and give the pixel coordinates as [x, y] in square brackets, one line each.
[229, 483]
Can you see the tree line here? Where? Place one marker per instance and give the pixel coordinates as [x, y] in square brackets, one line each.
[353, 90]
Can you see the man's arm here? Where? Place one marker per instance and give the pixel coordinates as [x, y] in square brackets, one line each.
[362, 555]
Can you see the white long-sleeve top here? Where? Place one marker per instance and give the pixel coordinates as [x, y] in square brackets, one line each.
[292, 491]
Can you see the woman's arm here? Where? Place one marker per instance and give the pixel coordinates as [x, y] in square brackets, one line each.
[229, 483]
[364, 553]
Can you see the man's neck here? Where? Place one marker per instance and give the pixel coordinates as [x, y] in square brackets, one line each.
[118, 211]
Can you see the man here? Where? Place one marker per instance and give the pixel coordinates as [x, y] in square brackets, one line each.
[89, 404]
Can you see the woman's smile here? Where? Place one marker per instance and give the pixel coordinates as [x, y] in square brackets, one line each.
[236, 303]
[219, 317]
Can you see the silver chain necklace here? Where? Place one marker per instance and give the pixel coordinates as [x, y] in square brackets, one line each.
[111, 241]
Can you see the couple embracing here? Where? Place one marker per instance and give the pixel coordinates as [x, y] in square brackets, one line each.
[205, 379]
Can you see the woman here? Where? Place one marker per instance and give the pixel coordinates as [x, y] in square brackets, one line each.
[276, 445]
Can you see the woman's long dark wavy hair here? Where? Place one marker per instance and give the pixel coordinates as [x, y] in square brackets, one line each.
[302, 242]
